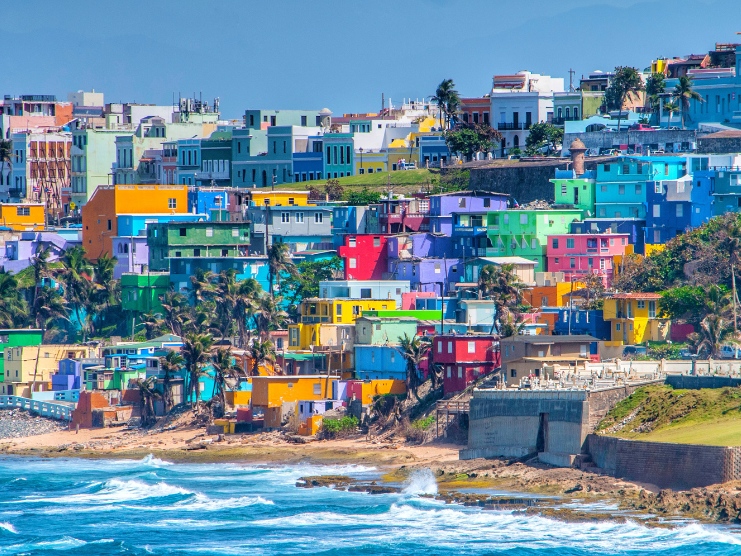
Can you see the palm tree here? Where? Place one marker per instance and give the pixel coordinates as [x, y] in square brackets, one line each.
[40, 264]
[147, 394]
[261, 351]
[196, 351]
[246, 302]
[279, 262]
[13, 308]
[655, 86]
[414, 351]
[48, 307]
[715, 331]
[176, 314]
[448, 101]
[504, 287]
[268, 315]
[595, 288]
[170, 364]
[226, 373]
[78, 289]
[152, 323]
[670, 108]
[627, 83]
[683, 93]
[202, 285]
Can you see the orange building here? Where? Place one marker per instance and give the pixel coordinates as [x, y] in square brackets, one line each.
[23, 217]
[99, 215]
[549, 296]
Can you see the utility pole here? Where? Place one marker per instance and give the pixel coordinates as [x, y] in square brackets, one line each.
[571, 303]
[571, 80]
[733, 279]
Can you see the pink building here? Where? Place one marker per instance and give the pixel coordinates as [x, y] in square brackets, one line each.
[409, 300]
[578, 254]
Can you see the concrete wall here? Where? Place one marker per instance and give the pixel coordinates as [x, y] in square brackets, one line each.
[681, 382]
[609, 140]
[712, 145]
[679, 466]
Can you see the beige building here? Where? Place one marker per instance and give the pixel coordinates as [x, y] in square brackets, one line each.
[25, 362]
[525, 356]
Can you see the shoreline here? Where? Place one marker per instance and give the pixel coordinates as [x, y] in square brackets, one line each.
[468, 482]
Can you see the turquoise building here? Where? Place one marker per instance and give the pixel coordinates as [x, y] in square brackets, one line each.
[621, 184]
[338, 155]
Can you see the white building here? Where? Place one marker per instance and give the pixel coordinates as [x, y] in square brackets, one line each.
[518, 101]
[81, 98]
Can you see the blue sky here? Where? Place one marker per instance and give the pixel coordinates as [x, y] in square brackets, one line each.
[342, 54]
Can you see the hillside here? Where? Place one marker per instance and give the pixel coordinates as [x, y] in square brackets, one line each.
[661, 414]
[402, 181]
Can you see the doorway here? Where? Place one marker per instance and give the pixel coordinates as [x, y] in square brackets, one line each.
[542, 441]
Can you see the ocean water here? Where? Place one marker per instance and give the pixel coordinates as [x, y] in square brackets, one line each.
[102, 507]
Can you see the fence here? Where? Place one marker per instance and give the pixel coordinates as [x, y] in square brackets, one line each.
[43, 408]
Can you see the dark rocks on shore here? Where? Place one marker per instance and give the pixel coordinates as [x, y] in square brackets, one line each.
[19, 423]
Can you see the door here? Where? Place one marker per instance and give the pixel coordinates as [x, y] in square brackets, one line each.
[542, 441]
[576, 195]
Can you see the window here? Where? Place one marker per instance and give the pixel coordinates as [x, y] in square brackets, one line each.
[460, 371]
[639, 189]
[602, 264]
[513, 373]
[523, 218]
[376, 242]
[353, 262]
[657, 236]
[657, 211]
[183, 232]
[450, 371]
[641, 304]
[26, 211]
[209, 232]
[487, 203]
[680, 210]
[351, 242]
[300, 217]
[626, 168]
[621, 189]
[462, 202]
[285, 217]
[617, 326]
[471, 347]
[450, 347]
[196, 252]
[506, 218]
[235, 232]
[225, 252]
[572, 263]
[603, 188]
[657, 187]
[318, 217]
[303, 121]
[110, 225]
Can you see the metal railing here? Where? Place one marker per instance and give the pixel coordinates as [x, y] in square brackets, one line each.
[45, 409]
[509, 126]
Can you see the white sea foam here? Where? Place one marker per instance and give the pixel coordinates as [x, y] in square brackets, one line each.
[153, 461]
[18, 479]
[8, 527]
[421, 481]
[203, 502]
[116, 490]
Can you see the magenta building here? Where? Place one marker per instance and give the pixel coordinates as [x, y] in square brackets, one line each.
[580, 254]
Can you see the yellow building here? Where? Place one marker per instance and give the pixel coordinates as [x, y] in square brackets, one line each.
[23, 217]
[635, 318]
[550, 296]
[23, 363]
[339, 310]
[373, 162]
[303, 336]
[280, 198]
[372, 388]
[273, 391]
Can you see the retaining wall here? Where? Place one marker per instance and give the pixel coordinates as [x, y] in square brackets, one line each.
[689, 382]
[677, 466]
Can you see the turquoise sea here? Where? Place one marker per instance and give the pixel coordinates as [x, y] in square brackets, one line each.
[102, 507]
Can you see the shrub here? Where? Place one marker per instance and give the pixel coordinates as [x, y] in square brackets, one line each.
[422, 424]
[335, 427]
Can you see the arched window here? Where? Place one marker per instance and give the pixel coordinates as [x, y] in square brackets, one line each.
[568, 112]
[576, 113]
[120, 248]
[560, 113]
[516, 141]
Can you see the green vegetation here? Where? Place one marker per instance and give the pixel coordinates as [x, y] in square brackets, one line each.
[422, 424]
[469, 139]
[304, 283]
[335, 426]
[543, 135]
[379, 179]
[363, 198]
[661, 414]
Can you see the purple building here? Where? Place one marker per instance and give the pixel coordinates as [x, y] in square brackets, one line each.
[19, 251]
[428, 275]
[68, 377]
[444, 205]
[408, 246]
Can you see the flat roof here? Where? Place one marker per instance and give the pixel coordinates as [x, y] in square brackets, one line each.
[543, 339]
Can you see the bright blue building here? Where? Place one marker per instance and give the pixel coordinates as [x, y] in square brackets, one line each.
[338, 155]
[308, 164]
[621, 184]
[349, 220]
[433, 150]
[379, 362]
[450, 305]
[675, 206]
[582, 322]
[202, 200]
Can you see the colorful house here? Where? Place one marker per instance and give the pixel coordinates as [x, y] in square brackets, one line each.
[634, 227]
[464, 358]
[430, 274]
[549, 296]
[443, 205]
[14, 337]
[365, 289]
[21, 217]
[581, 321]
[380, 362]
[339, 152]
[535, 357]
[579, 254]
[577, 191]
[524, 233]
[364, 257]
[675, 206]
[635, 318]
[31, 367]
[99, 215]
[384, 330]
[143, 293]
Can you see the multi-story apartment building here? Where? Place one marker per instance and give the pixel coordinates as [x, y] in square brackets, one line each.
[579, 254]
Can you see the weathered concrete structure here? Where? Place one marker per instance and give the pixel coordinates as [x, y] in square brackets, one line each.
[552, 423]
[660, 139]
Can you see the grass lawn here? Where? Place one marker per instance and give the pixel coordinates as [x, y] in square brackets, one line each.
[373, 181]
[662, 414]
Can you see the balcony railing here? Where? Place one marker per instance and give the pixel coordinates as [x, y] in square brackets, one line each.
[507, 126]
[561, 120]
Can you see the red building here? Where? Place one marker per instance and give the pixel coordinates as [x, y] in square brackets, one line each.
[406, 214]
[364, 256]
[475, 110]
[464, 358]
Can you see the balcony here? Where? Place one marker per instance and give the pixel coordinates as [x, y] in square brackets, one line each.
[510, 126]
[469, 230]
[562, 120]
